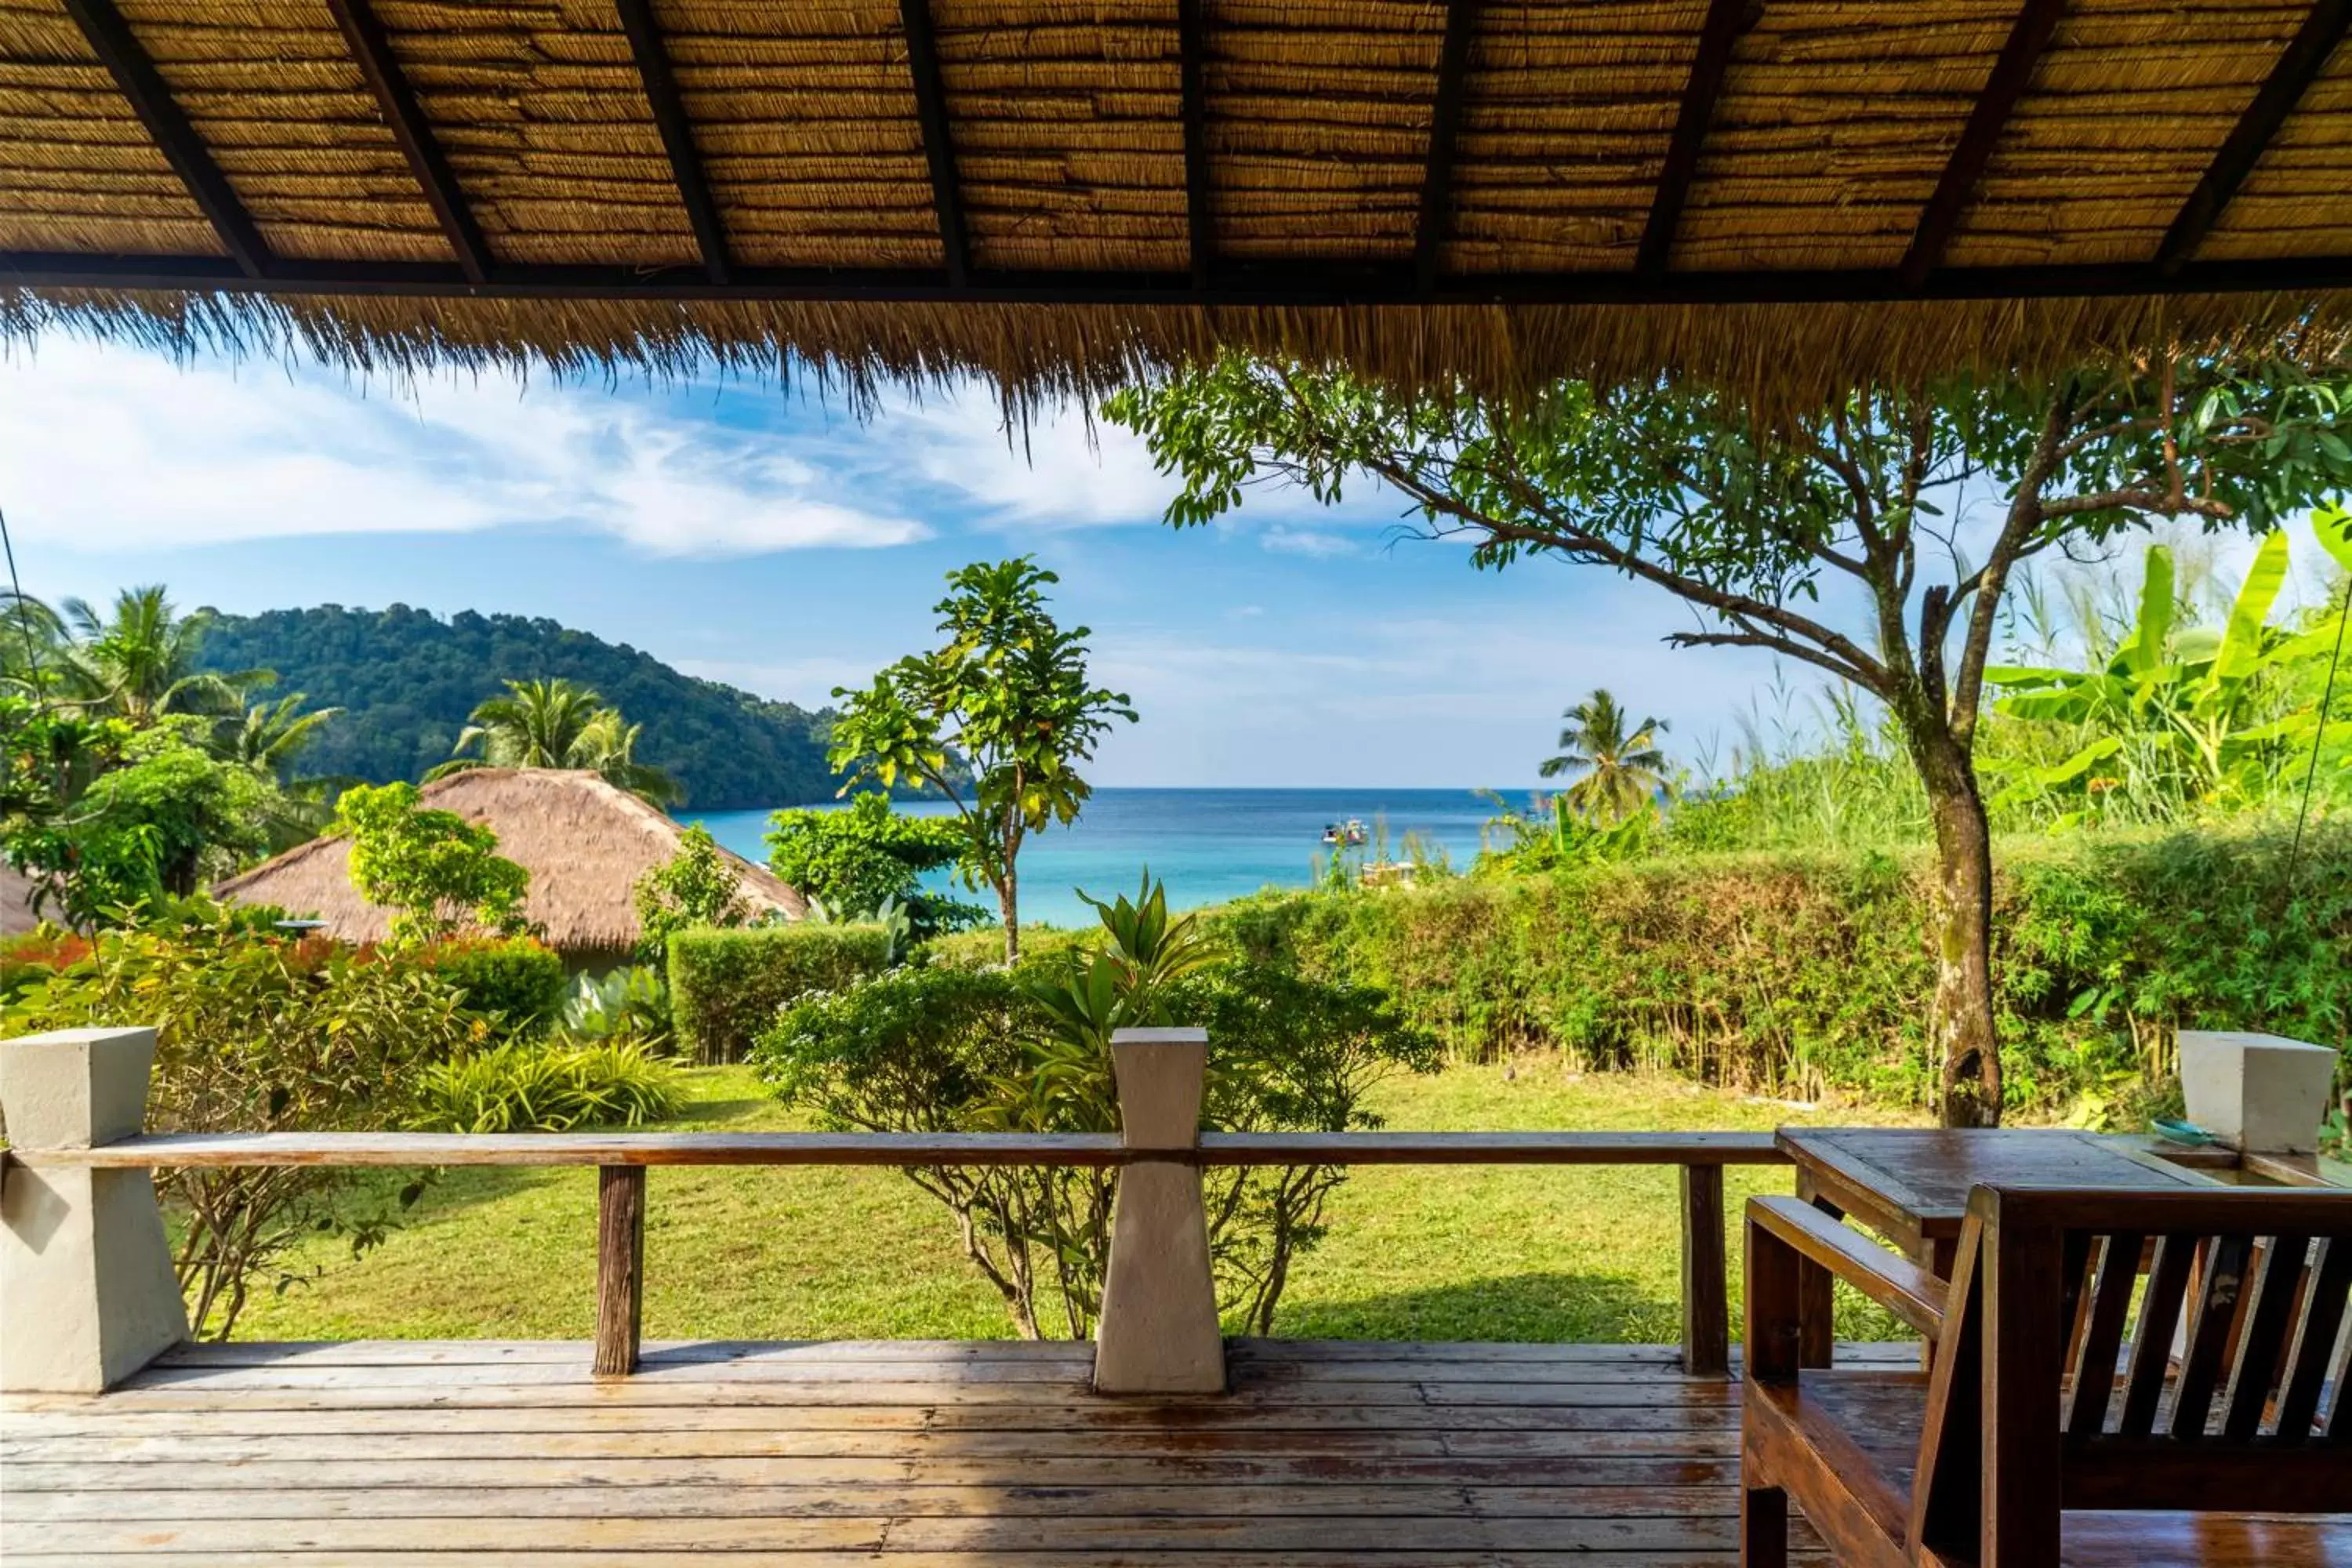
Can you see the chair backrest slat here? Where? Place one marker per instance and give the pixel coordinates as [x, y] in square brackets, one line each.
[2317, 1334]
[2102, 1338]
[2151, 1362]
[2211, 1332]
[2277, 1296]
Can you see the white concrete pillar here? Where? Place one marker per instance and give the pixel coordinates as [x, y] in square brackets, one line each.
[87, 1292]
[1159, 1331]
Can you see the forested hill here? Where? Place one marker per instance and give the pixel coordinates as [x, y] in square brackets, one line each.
[406, 680]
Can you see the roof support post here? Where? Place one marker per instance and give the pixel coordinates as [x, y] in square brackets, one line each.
[372, 51]
[677, 133]
[110, 37]
[1725, 20]
[931, 108]
[1200, 220]
[1159, 1331]
[2304, 57]
[1444, 127]
[2011, 73]
[88, 1295]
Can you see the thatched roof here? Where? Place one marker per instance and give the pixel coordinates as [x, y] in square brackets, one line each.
[585, 843]
[1783, 193]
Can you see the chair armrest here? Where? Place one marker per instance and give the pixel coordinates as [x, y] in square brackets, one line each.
[1911, 1293]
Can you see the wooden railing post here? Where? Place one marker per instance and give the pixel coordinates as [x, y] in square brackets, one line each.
[1816, 1292]
[88, 1295]
[620, 1267]
[1159, 1331]
[1706, 1312]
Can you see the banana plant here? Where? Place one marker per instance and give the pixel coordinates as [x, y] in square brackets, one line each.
[2180, 701]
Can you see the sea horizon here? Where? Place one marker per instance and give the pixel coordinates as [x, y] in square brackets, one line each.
[1209, 844]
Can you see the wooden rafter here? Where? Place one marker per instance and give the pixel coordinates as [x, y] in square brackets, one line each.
[1200, 220]
[2304, 57]
[677, 135]
[1444, 125]
[1725, 20]
[2012, 72]
[110, 37]
[1300, 284]
[372, 51]
[931, 107]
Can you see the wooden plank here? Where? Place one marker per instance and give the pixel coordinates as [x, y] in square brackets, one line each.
[620, 1269]
[2315, 1342]
[1444, 127]
[1706, 1312]
[2211, 1331]
[2159, 1314]
[372, 50]
[2012, 72]
[2024, 1269]
[2299, 64]
[676, 128]
[939, 143]
[127, 61]
[1725, 20]
[904, 1149]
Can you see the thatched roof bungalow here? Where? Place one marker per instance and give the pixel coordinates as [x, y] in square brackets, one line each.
[584, 842]
[1782, 197]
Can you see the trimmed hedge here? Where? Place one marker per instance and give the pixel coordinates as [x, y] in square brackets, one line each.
[725, 986]
[1797, 974]
[516, 981]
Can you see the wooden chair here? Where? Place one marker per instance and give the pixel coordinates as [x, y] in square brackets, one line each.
[2228, 1399]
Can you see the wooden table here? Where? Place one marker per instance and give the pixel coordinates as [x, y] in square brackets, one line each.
[1911, 1185]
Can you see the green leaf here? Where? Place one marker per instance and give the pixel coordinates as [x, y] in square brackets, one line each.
[2332, 525]
[2242, 642]
[2144, 649]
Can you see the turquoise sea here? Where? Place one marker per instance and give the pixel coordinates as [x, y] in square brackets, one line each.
[1207, 845]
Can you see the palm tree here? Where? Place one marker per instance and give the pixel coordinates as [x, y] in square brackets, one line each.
[1623, 770]
[556, 724]
[268, 734]
[140, 662]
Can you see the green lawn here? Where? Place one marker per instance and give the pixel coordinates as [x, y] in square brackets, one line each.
[1435, 1253]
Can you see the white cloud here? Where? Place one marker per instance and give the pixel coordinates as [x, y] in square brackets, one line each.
[1315, 542]
[124, 449]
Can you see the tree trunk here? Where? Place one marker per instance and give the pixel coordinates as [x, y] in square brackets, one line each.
[1008, 903]
[1959, 924]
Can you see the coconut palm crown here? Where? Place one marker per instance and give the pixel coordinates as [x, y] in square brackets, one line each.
[556, 724]
[1624, 769]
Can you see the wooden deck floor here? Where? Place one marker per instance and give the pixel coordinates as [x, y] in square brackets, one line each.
[974, 1455]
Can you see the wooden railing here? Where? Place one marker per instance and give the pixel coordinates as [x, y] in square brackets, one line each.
[622, 1159]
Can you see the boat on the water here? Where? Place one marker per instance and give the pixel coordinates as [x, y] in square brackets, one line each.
[1351, 833]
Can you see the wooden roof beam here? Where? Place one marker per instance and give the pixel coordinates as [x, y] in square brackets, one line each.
[2304, 57]
[1444, 127]
[1200, 221]
[372, 50]
[677, 135]
[110, 37]
[1725, 20]
[931, 108]
[2012, 72]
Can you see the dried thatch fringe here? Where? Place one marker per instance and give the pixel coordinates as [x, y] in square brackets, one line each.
[1779, 358]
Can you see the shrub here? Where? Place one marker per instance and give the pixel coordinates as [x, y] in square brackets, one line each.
[1797, 973]
[725, 986]
[515, 982]
[866, 855]
[33, 956]
[943, 1048]
[252, 1034]
[437, 872]
[695, 887]
[630, 1004]
[529, 1086]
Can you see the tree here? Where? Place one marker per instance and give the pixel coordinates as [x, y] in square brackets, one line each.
[434, 871]
[269, 735]
[694, 888]
[857, 860]
[1623, 772]
[556, 724]
[140, 661]
[1008, 693]
[1767, 530]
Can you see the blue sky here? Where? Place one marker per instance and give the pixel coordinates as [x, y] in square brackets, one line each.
[776, 542]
